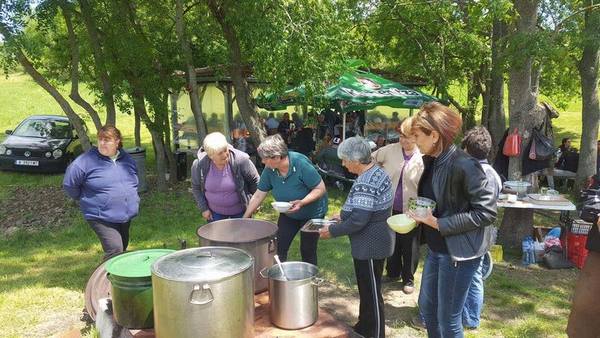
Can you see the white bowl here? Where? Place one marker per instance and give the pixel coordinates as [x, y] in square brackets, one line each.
[401, 223]
[281, 206]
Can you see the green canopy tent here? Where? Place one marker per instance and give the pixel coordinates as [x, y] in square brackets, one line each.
[355, 90]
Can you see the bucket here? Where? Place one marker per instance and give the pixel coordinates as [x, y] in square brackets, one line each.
[131, 287]
[139, 156]
[293, 303]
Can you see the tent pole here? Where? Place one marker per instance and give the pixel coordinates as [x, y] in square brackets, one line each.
[343, 126]
[410, 112]
[228, 116]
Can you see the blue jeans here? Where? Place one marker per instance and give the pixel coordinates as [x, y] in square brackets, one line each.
[218, 217]
[444, 287]
[472, 310]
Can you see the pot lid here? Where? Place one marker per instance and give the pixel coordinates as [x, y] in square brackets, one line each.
[206, 264]
[96, 288]
[237, 230]
[135, 263]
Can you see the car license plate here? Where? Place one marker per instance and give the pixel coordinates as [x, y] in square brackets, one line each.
[29, 163]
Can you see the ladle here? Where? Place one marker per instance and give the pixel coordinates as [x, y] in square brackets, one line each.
[280, 267]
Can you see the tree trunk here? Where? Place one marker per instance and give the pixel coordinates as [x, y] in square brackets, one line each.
[74, 95]
[522, 107]
[164, 121]
[588, 71]
[139, 108]
[136, 129]
[192, 85]
[243, 95]
[474, 91]
[64, 104]
[100, 62]
[496, 119]
[521, 91]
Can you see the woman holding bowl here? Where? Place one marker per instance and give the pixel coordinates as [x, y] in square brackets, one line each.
[104, 180]
[457, 232]
[363, 219]
[223, 179]
[291, 177]
[404, 164]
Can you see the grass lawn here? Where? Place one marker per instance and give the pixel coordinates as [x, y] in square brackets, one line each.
[43, 272]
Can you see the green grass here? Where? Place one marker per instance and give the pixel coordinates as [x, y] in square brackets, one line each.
[43, 274]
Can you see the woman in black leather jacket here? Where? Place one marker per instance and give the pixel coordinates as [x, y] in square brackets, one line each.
[457, 231]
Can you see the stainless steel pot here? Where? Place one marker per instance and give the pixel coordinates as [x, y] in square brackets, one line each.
[293, 303]
[204, 292]
[253, 236]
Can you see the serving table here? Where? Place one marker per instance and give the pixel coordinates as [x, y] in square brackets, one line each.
[326, 325]
[521, 212]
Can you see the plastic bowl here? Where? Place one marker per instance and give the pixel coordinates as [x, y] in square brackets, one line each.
[281, 206]
[401, 223]
[519, 187]
[420, 205]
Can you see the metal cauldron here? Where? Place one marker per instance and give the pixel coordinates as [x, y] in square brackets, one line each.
[204, 292]
[253, 236]
[293, 302]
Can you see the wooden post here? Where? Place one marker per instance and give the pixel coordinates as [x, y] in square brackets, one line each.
[225, 88]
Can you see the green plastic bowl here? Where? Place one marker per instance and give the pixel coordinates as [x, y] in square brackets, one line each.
[401, 223]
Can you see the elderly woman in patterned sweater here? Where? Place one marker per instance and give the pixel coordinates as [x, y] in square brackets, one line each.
[363, 219]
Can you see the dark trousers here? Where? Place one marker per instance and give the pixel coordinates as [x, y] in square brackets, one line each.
[287, 228]
[114, 237]
[405, 259]
[371, 320]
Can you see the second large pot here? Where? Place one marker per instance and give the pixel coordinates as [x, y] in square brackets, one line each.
[293, 299]
[204, 292]
[253, 236]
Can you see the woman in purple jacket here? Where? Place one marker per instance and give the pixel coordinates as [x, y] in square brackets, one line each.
[223, 179]
[104, 180]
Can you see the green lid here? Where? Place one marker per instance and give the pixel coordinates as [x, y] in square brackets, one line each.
[135, 263]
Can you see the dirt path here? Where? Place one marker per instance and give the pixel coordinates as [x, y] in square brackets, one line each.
[342, 303]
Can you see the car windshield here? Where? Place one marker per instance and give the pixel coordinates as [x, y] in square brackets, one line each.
[44, 129]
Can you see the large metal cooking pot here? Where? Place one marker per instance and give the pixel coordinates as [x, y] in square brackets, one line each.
[293, 299]
[131, 287]
[204, 292]
[253, 236]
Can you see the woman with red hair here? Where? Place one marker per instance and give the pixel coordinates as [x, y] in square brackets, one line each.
[456, 231]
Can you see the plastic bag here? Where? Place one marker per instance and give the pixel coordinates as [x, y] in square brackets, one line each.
[541, 146]
[528, 251]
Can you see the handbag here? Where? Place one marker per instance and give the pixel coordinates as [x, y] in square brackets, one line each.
[512, 145]
[542, 147]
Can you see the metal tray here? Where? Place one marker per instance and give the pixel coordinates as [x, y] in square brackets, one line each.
[313, 225]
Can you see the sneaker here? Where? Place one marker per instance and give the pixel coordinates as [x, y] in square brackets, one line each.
[388, 279]
[408, 288]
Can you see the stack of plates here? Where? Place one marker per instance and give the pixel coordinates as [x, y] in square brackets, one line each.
[548, 199]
